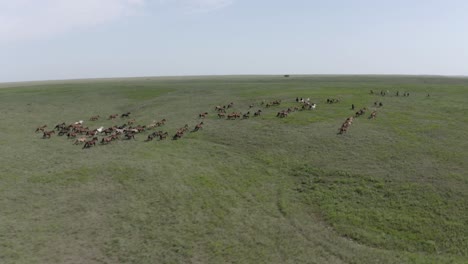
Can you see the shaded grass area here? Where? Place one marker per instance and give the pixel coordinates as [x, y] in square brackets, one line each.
[262, 190]
[388, 213]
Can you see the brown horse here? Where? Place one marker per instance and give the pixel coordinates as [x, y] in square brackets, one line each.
[198, 127]
[163, 135]
[161, 123]
[47, 134]
[178, 135]
[113, 116]
[125, 114]
[130, 135]
[90, 143]
[150, 137]
[71, 135]
[107, 140]
[203, 115]
[282, 114]
[94, 118]
[60, 126]
[41, 128]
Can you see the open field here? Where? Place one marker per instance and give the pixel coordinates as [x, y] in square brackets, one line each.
[393, 189]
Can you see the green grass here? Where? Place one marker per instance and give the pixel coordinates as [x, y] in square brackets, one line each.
[262, 190]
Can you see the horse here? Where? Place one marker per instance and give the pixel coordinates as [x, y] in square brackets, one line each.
[41, 128]
[221, 115]
[163, 135]
[246, 115]
[373, 115]
[259, 112]
[107, 140]
[125, 115]
[198, 127]
[47, 134]
[91, 133]
[90, 143]
[152, 136]
[113, 116]
[203, 115]
[161, 123]
[94, 118]
[231, 116]
[177, 135]
[60, 126]
[130, 135]
[282, 114]
[71, 135]
[63, 131]
[79, 140]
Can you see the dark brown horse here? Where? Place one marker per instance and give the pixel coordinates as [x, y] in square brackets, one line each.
[163, 135]
[47, 134]
[41, 128]
[90, 143]
[177, 135]
[125, 114]
[161, 123]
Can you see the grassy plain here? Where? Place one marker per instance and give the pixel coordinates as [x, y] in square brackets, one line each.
[261, 190]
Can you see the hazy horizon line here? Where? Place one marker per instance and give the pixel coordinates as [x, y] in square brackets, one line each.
[230, 75]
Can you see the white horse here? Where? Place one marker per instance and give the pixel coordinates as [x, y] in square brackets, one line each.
[100, 129]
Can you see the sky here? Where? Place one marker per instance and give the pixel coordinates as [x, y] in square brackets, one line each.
[74, 39]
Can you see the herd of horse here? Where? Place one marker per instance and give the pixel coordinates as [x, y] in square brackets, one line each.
[89, 137]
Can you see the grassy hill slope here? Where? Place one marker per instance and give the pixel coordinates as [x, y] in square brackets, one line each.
[261, 190]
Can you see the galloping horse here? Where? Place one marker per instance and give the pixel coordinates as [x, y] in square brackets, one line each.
[47, 134]
[41, 128]
[90, 143]
[80, 140]
[107, 140]
[125, 114]
[198, 127]
[163, 135]
[161, 123]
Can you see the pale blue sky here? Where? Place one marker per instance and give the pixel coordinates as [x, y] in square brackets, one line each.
[71, 39]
